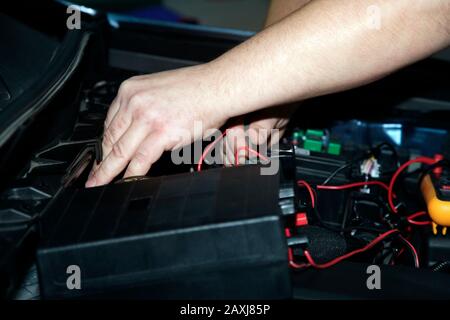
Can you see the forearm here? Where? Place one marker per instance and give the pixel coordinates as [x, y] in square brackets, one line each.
[280, 9]
[329, 46]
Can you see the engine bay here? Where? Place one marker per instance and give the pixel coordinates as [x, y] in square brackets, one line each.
[364, 180]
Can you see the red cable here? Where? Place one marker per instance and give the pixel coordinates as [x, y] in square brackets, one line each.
[354, 185]
[425, 160]
[391, 196]
[348, 255]
[341, 187]
[414, 251]
[208, 149]
[310, 190]
[293, 264]
[418, 223]
[236, 159]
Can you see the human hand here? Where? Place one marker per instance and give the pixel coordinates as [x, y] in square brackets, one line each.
[265, 127]
[156, 113]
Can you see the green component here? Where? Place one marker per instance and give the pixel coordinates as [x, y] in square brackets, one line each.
[334, 148]
[297, 135]
[314, 133]
[313, 145]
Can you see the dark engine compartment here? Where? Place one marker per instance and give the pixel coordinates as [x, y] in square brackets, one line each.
[362, 135]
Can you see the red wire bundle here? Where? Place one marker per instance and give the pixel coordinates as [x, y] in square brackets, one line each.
[236, 156]
[310, 190]
[424, 160]
[354, 185]
[414, 251]
[350, 254]
[213, 144]
[418, 223]
[391, 196]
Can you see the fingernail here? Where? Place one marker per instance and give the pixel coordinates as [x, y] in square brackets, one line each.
[90, 183]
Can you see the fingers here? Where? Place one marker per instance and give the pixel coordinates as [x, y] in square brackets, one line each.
[148, 153]
[259, 131]
[266, 132]
[113, 130]
[261, 128]
[235, 139]
[115, 106]
[119, 125]
[121, 153]
[118, 118]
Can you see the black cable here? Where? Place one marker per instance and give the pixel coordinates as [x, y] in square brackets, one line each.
[367, 229]
[337, 227]
[345, 166]
[386, 257]
[332, 226]
[335, 172]
[441, 267]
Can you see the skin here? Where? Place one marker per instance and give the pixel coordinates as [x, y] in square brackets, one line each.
[324, 47]
[260, 123]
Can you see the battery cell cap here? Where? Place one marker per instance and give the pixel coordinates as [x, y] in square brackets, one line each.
[334, 148]
[314, 133]
[313, 145]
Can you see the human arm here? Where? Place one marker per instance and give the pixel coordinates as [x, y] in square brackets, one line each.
[325, 47]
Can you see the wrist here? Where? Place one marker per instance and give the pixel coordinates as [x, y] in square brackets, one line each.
[234, 95]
